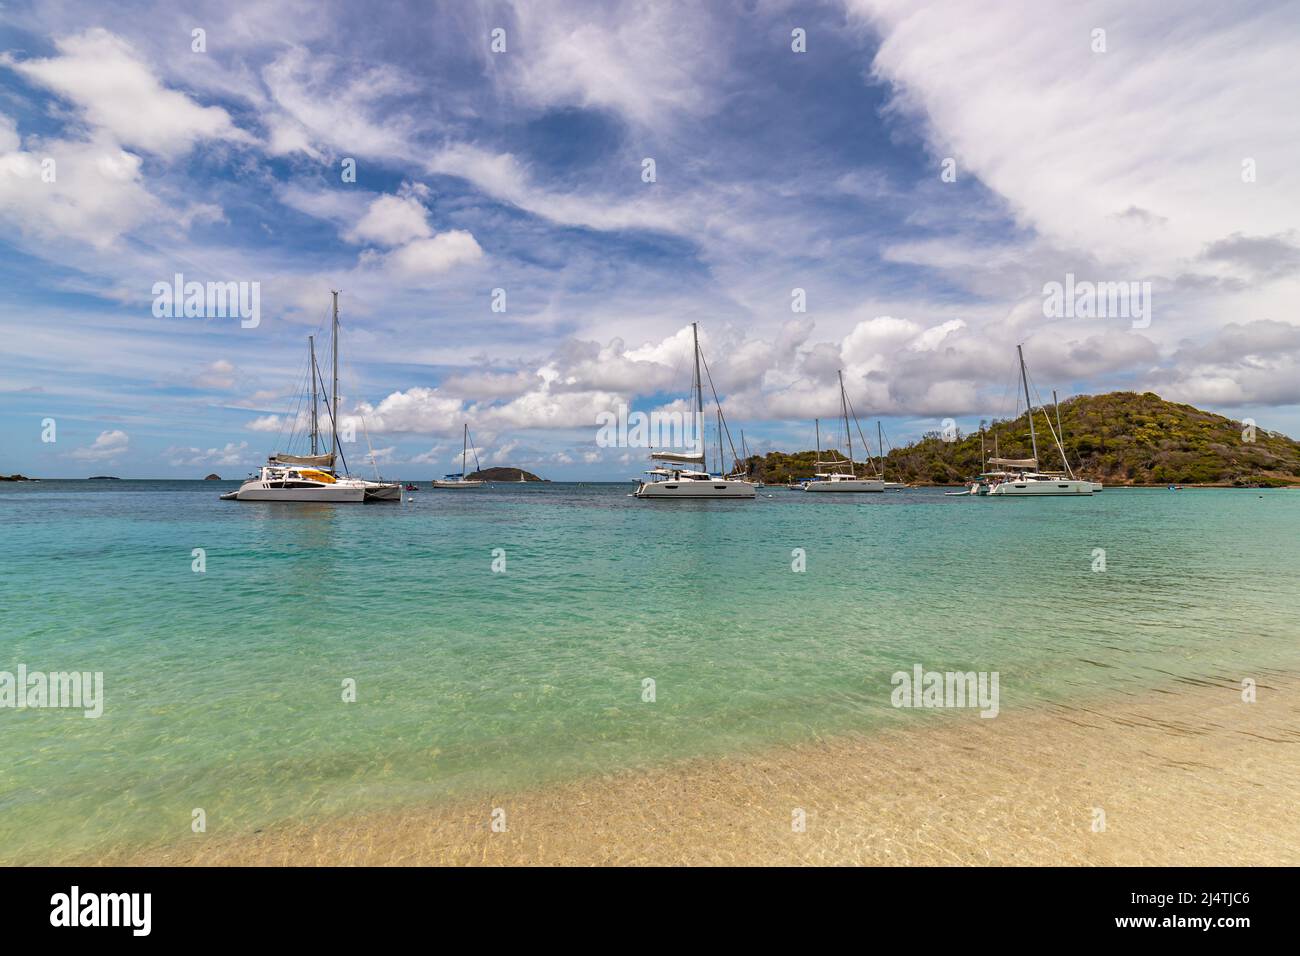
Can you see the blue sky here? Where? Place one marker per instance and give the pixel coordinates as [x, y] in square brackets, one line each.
[522, 170]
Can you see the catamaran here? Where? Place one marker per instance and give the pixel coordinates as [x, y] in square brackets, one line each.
[839, 479]
[1021, 477]
[459, 480]
[686, 474]
[312, 477]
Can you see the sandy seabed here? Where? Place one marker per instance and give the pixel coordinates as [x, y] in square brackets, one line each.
[1192, 777]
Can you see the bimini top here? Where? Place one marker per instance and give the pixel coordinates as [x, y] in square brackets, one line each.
[1014, 462]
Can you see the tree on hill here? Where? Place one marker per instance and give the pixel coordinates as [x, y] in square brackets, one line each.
[1118, 438]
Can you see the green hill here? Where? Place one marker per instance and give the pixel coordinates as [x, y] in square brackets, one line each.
[1121, 438]
[503, 474]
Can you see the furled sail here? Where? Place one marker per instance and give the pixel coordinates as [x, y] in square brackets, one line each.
[311, 461]
[1015, 462]
[678, 456]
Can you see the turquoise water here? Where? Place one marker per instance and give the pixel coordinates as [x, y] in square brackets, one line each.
[224, 689]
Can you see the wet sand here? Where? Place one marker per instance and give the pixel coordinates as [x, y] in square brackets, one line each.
[1185, 776]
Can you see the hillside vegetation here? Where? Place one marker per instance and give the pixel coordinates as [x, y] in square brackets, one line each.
[503, 474]
[1121, 438]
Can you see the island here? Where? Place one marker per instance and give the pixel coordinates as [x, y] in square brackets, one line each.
[17, 478]
[1119, 438]
[103, 478]
[512, 475]
[212, 478]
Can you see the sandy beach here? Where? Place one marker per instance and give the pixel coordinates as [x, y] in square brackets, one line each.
[1195, 776]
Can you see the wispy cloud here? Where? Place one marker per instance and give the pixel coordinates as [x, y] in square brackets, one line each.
[504, 257]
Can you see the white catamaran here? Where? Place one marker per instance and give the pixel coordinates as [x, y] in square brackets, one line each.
[838, 479]
[1021, 477]
[685, 474]
[313, 477]
[459, 480]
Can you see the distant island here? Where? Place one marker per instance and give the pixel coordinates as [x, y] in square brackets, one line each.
[103, 478]
[1120, 438]
[17, 478]
[213, 477]
[503, 474]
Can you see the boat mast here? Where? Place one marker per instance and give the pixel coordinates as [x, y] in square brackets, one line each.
[464, 451]
[1060, 435]
[848, 433]
[1029, 409]
[720, 454]
[311, 348]
[334, 392]
[880, 443]
[817, 430]
[699, 400]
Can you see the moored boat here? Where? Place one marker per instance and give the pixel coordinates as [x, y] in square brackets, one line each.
[683, 475]
[1022, 477]
[459, 481]
[841, 480]
[313, 477]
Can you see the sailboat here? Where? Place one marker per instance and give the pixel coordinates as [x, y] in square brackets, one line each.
[839, 479]
[1060, 432]
[736, 473]
[1021, 477]
[312, 477]
[459, 480]
[685, 474]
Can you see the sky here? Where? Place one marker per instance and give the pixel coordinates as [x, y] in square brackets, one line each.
[547, 195]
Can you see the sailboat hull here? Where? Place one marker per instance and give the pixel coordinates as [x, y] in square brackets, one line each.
[382, 491]
[1040, 489]
[853, 484]
[337, 493]
[448, 485]
[682, 489]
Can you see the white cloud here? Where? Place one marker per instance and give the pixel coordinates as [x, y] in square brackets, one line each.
[219, 374]
[393, 220]
[433, 456]
[326, 101]
[435, 255]
[932, 337]
[644, 63]
[1250, 363]
[118, 93]
[1076, 140]
[267, 423]
[90, 191]
[230, 454]
[501, 176]
[107, 446]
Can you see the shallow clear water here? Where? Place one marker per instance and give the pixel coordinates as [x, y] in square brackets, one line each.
[224, 689]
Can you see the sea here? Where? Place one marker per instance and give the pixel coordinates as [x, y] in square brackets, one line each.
[264, 664]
